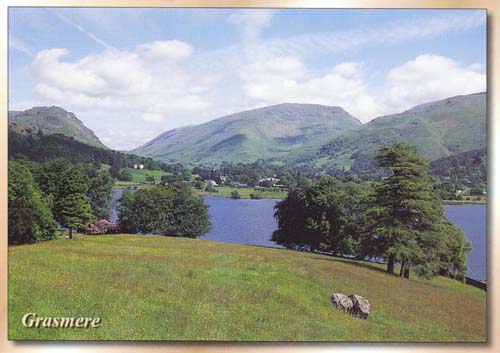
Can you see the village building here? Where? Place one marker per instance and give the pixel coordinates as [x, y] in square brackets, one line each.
[210, 182]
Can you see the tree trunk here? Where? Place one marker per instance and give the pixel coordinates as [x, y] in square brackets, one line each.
[407, 271]
[390, 264]
[402, 270]
[71, 233]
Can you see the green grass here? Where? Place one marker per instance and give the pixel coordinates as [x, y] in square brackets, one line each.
[161, 288]
[225, 191]
[140, 175]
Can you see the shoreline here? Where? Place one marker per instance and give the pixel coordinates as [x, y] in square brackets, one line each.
[464, 202]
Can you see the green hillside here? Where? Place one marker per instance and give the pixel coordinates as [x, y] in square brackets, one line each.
[52, 120]
[161, 288]
[438, 129]
[264, 133]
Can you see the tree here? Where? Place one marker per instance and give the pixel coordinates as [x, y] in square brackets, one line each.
[30, 219]
[71, 204]
[74, 212]
[125, 175]
[126, 212]
[171, 210]
[100, 188]
[115, 168]
[211, 188]
[328, 215]
[453, 250]
[406, 214]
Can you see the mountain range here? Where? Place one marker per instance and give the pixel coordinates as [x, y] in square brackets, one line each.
[52, 120]
[438, 129]
[316, 135]
[323, 135]
[265, 133]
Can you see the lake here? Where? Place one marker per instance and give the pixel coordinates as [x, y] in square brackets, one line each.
[251, 222]
[472, 220]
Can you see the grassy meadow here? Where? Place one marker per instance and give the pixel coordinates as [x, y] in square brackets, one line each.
[162, 288]
[225, 191]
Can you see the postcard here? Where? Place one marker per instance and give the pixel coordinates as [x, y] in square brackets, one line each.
[247, 175]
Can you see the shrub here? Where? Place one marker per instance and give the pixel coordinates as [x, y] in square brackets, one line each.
[103, 226]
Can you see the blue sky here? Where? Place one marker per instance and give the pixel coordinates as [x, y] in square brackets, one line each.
[131, 74]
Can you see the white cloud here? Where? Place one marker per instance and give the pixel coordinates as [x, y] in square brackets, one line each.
[151, 79]
[171, 82]
[168, 50]
[252, 22]
[424, 79]
[430, 77]
[321, 43]
[287, 79]
[126, 139]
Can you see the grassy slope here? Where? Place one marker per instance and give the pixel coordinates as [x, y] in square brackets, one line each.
[152, 288]
[140, 175]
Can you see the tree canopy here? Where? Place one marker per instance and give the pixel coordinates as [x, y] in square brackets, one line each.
[30, 217]
[401, 219]
[171, 210]
[326, 216]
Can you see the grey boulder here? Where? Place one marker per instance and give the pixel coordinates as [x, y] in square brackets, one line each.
[342, 302]
[360, 306]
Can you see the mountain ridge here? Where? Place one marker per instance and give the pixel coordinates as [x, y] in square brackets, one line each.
[52, 120]
[261, 133]
[438, 129]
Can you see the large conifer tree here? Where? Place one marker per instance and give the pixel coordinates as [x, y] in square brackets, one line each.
[71, 206]
[407, 216]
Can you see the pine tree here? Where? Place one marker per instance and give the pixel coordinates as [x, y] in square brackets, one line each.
[75, 212]
[406, 212]
[71, 204]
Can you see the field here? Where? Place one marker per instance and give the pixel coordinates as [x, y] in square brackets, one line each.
[225, 191]
[139, 177]
[162, 288]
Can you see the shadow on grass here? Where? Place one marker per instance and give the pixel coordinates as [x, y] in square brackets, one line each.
[352, 262]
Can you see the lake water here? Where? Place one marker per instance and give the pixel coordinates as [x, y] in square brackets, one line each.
[251, 222]
[472, 220]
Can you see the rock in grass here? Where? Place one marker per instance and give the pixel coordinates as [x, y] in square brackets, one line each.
[342, 302]
[360, 306]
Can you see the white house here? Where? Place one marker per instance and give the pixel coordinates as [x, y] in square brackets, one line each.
[269, 180]
[210, 182]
